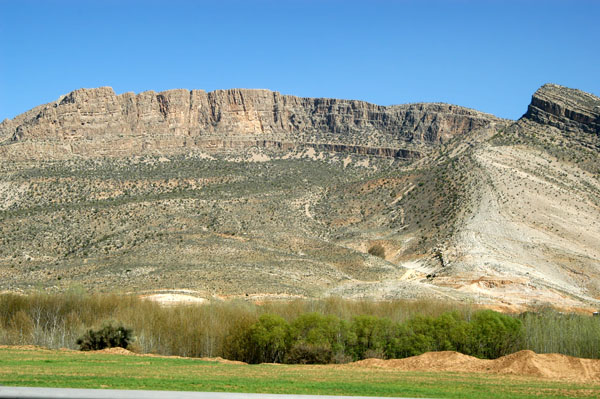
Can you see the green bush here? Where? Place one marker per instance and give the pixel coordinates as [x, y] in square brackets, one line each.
[451, 333]
[108, 336]
[236, 344]
[422, 334]
[413, 338]
[268, 339]
[319, 331]
[495, 334]
[372, 336]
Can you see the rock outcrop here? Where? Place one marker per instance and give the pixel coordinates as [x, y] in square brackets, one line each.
[566, 109]
[97, 122]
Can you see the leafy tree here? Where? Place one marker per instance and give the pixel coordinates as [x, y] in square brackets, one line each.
[451, 333]
[372, 336]
[495, 334]
[269, 338]
[415, 337]
[312, 331]
[422, 334]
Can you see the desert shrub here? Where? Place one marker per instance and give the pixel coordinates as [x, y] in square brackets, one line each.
[108, 336]
[305, 353]
[377, 250]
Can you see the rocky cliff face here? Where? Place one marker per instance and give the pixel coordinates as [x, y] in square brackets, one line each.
[567, 109]
[93, 122]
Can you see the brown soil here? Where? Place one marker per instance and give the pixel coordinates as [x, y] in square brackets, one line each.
[221, 360]
[523, 363]
[116, 351]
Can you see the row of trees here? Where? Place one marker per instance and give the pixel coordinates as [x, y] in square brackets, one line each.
[334, 329]
[317, 338]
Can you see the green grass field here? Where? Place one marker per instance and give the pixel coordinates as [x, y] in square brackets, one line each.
[70, 369]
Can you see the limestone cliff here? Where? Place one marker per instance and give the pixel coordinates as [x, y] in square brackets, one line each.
[97, 122]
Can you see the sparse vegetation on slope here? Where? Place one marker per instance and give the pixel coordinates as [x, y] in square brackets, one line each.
[417, 201]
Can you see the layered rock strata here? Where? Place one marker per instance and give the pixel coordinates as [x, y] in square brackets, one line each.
[566, 109]
[97, 122]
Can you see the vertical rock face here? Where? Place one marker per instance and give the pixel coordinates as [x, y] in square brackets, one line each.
[567, 109]
[99, 122]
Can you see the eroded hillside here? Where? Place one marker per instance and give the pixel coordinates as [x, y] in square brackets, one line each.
[253, 194]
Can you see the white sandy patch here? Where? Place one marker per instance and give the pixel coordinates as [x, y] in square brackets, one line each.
[347, 161]
[259, 157]
[307, 211]
[174, 299]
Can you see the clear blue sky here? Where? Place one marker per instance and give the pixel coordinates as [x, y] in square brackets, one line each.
[487, 55]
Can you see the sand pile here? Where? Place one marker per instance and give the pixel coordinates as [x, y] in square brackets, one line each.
[550, 365]
[116, 351]
[432, 361]
[221, 360]
[523, 363]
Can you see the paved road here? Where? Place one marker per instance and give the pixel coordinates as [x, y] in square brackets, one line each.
[69, 393]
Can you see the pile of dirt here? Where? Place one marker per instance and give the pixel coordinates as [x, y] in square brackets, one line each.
[116, 351]
[221, 360]
[523, 363]
[431, 361]
[552, 365]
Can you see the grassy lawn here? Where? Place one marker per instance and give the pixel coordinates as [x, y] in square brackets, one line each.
[20, 367]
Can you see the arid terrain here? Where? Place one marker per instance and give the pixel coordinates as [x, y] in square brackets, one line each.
[253, 194]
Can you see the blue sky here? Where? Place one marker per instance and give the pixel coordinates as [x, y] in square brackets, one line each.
[487, 55]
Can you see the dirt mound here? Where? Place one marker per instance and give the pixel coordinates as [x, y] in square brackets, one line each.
[116, 351]
[434, 361]
[221, 360]
[523, 363]
[550, 365]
